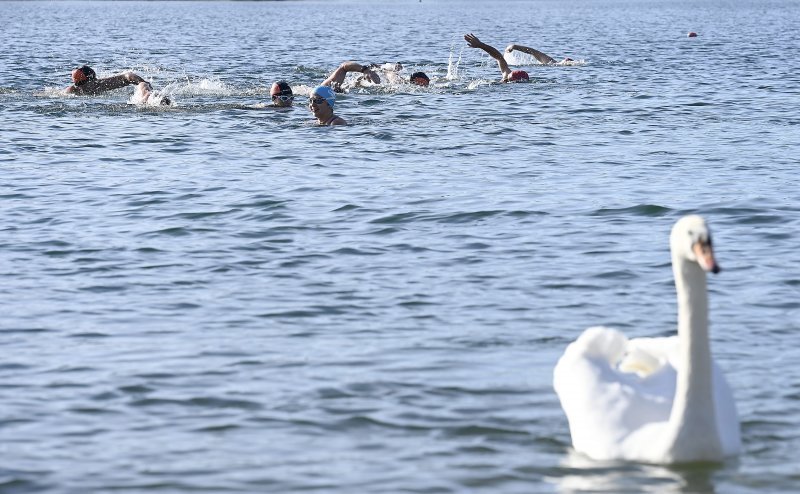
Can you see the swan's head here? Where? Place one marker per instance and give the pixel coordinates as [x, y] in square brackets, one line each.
[691, 239]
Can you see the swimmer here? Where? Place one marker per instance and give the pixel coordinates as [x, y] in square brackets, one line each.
[281, 94]
[144, 95]
[369, 75]
[85, 81]
[321, 104]
[335, 80]
[420, 79]
[508, 74]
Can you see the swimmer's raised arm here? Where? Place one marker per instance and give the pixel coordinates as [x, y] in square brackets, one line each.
[336, 78]
[474, 42]
[541, 57]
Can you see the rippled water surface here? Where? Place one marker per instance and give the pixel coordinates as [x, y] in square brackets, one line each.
[213, 298]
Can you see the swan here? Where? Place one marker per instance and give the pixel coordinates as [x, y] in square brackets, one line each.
[654, 400]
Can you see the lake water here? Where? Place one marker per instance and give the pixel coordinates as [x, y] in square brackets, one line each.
[206, 298]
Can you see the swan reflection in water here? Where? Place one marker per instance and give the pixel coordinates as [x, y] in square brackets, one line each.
[578, 473]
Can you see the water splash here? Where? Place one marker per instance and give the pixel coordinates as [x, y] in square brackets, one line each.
[144, 95]
[452, 67]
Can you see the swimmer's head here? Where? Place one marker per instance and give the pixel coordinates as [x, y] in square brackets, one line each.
[281, 94]
[518, 75]
[82, 75]
[420, 79]
[326, 93]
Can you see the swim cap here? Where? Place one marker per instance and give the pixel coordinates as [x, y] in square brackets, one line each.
[518, 75]
[281, 88]
[83, 74]
[420, 79]
[327, 93]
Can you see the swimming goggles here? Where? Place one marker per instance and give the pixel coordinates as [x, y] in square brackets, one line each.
[282, 97]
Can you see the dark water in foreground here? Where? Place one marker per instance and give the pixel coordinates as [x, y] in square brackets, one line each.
[206, 298]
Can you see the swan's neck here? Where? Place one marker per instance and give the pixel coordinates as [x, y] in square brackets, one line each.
[693, 417]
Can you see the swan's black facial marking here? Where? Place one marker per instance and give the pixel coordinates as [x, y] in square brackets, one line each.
[706, 240]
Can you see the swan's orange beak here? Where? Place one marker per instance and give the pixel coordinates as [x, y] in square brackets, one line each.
[705, 257]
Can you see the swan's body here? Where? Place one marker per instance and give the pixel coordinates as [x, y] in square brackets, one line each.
[655, 400]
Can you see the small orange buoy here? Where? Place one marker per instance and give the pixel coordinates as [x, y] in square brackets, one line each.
[692, 34]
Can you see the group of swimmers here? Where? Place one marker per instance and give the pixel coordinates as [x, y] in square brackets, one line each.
[323, 97]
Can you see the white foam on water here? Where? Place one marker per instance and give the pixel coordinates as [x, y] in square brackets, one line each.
[302, 90]
[53, 92]
[480, 82]
[572, 63]
[202, 87]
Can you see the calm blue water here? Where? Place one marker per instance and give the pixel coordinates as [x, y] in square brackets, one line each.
[209, 298]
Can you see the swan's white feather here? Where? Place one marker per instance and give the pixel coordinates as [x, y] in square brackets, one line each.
[617, 412]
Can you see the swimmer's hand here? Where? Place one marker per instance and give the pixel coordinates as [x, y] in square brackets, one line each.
[369, 73]
[131, 78]
[511, 48]
[473, 41]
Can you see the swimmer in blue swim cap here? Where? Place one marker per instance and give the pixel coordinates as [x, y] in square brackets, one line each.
[321, 104]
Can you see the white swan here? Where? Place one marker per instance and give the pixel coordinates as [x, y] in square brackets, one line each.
[654, 400]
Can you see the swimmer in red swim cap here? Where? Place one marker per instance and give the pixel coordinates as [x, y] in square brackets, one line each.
[508, 74]
[518, 76]
[85, 81]
[420, 79]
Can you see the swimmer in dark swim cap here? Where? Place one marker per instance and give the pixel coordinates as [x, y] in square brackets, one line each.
[420, 79]
[281, 94]
[508, 74]
[85, 81]
[371, 74]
